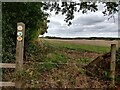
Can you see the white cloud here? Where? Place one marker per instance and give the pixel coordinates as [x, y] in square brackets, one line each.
[93, 24]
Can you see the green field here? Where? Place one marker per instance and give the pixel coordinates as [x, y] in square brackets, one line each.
[65, 52]
[79, 47]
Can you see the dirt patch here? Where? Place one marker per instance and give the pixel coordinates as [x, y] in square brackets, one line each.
[76, 54]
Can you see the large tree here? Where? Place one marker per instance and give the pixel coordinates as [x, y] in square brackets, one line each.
[29, 13]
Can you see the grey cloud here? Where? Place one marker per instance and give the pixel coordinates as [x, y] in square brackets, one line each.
[89, 20]
[88, 25]
[101, 26]
[54, 24]
[82, 29]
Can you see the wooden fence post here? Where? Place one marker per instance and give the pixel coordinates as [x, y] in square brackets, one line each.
[19, 51]
[113, 64]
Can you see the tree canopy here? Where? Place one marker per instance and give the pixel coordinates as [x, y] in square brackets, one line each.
[29, 13]
[69, 8]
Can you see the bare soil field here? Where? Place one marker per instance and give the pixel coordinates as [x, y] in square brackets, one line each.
[91, 42]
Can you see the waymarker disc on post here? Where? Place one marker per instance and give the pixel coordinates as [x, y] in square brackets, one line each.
[20, 28]
[19, 33]
[19, 38]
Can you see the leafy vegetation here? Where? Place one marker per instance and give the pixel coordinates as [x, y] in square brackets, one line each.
[118, 65]
[69, 8]
[118, 56]
[85, 60]
[31, 15]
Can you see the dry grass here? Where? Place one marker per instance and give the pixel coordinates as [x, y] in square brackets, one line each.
[89, 42]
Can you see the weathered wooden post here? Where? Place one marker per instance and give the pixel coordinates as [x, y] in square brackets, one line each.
[19, 51]
[113, 64]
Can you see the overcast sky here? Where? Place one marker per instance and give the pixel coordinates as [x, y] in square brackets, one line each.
[92, 24]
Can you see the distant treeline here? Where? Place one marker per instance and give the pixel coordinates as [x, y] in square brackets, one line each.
[88, 38]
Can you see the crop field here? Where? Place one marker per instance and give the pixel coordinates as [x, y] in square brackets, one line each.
[87, 42]
[99, 46]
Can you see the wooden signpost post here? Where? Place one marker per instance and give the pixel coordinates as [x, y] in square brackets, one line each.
[113, 64]
[19, 51]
